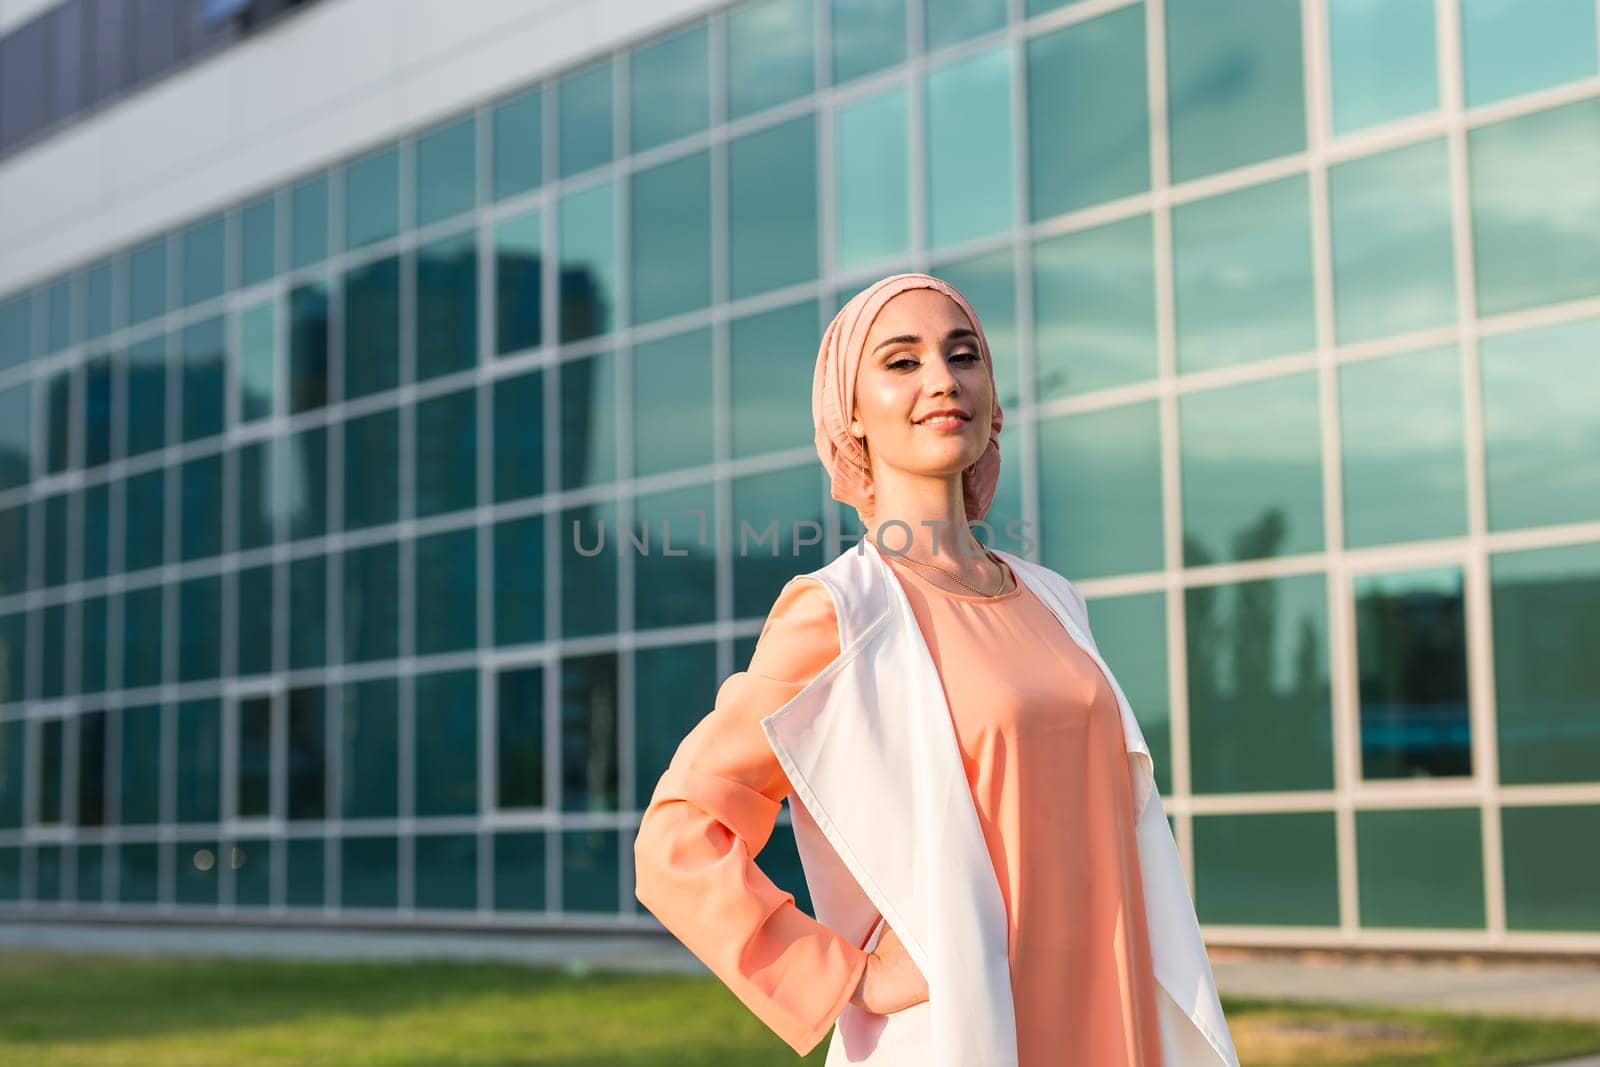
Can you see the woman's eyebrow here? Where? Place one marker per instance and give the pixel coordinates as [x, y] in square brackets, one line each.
[911, 338]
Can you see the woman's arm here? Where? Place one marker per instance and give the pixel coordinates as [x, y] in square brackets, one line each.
[713, 811]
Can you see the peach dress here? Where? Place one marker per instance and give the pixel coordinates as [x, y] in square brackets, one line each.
[1041, 740]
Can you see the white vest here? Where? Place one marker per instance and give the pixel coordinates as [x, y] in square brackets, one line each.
[885, 825]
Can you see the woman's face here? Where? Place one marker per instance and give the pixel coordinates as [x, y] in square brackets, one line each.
[921, 357]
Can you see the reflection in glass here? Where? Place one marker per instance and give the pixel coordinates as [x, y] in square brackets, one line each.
[676, 685]
[588, 420]
[871, 174]
[588, 262]
[308, 346]
[447, 305]
[518, 295]
[204, 358]
[372, 469]
[868, 36]
[518, 132]
[772, 217]
[989, 282]
[671, 206]
[519, 428]
[372, 198]
[372, 328]
[769, 54]
[1411, 668]
[446, 751]
[1267, 868]
[674, 557]
[446, 452]
[1509, 48]
[301, 482]
[254, 758]
[583, 100]
[672, 410]
[308, 607]
[1094, 308]
[519, 581]
[1383, 67]
[770, 358]
[145, 382]
[371, 602]
[258, 363]
[669, 83]
[446, 584]
[1100, 491]
[969, 150]
[519, 738]
[589, 773]
[447, 171]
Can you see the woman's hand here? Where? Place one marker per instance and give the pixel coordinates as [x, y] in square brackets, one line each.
[891, 981]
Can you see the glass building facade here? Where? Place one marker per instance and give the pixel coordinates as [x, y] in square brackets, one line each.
[1295, 308]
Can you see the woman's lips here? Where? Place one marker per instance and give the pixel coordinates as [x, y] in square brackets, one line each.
[947, 423]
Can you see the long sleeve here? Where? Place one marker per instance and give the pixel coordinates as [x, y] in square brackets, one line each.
[712, 812]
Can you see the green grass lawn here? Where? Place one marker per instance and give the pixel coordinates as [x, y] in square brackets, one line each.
[97, 1010]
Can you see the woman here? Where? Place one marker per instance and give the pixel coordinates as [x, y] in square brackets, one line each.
[968, 787]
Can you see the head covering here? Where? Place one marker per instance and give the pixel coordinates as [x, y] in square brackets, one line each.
[833, 394]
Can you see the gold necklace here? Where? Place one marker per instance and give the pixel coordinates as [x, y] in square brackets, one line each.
[954, 578]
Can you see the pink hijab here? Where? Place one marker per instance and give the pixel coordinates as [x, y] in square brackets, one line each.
[833, 397]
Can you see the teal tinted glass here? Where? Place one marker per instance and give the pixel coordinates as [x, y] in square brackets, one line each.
[257, 509]
[53, 645]
[1131, 634]
[147, 281]
[305, 877]
[258, 240]
[1383, 61]
[770, 46]
[1242, 275]
[372, 470]
[447, 171]
[675, 570]
[142, 638]
[308, 752]
[95, 643]
[669, 85]
[1546, 676]
[871, 178]
[61, 417]
[588, 420]
[583, 100]
[518, 283]
[369, 872]
[199, 770]
[1393, 258]
[1550, 888]
[1411, 668]
[952, 22]
[447, 305]
[591, 871]
[204, 376]
[1100, 491]
[253, 756]
[372, 603]
[589, 551]
[138, 872]
[1535, 207]
[308, 222]
[141, 764]
[672, 409]
[447, 453]
[969, 151]
[1094, 308]
[1235, 85]
[768, 532]
[13, 640]
[1277, 868]
[254, 645]
[519, 426]
[519, 739]
[519, 866]
[56, 547]
[1088, 113]
[201, 527]
[99, 408]
[258, 362]
[144, 502]
[1509, 48]
[1260, 717]
[369, 750]
[446, 753]
[308, 606]
[205, 258]
[146, 386]
[61, 326]
[16, 435]
[16, 332]
[14, 550]
[771, 358]
[308, 346]
[519, 585]
[989, 282]
[11, 754]
[99, 309]
[588, 262]
[446, 872]
[517, 129]
[868, 35]
[372, 198]
[689, 673]
[772, 194]
[589, 772]
[1541, 427]
[672, 238]
[1252, 470]
[305, 482]
[1410, 486]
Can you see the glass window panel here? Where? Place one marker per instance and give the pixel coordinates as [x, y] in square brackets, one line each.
[447, 304]
[519, 738]
[303, 463]
[205, 260]
[672, 238]
[589, 404]
[1259, 713]
[1235, 87]
[10, 873]
[1541, 425]
[1100, 491]
[587, 536]
[1272, 868]
[63, 414]
[1383, 63]
[989, 282]
[1547, 681]
[307, 754]
[591, 878]
[1536, 207]
[772, 217]
[1244, 292]
[447, 743]
[689, 673]
[47, 873]
[868, 35]
[254, 609]
[672, 410]
[305, 881]
[16, 332]
[1411, 485]
[969, 150]
[195, 873]
[952, 22]
[308, 222]
[447, 587]
[308, 346]
[145, 503]
[53, 641]
[447, 171]
[1095, 308]
[14, 646]
[254, 757]
[50, 774]
[769, 531]
[519, 866]
[202, 507]
[670, 86]
[771, 357]
[588, 262]
[204, 358]
[369, 872]
[200, 629]
[258, 362]
[1421, 868]
[871, 178]
[446, 871]
[251, 860]
[1411, 669]
[308, 607]
[90, 886]
[371, 603]
[96, 531]
[372, 328]
[140, 768]
[372, 469]
[769, 54]
[147, 281]
[100, 311]
[1088, 113]
[56, 535]
[139, 872]
[99, 398]
[675, 563]
[1252, 470]
[519, 581]
[11, 769]
[589, 733]
[519, 436]
[145, 381]
[372, 198]
[1131, 634]
[1510, 48]
[60, 318]
[14, 550]
[92, 768]
[519, 293]
[1550, 888]
[370, 750]
[518, 131]
[258, 240]
[1393, 260]
[16, 436]
[584, 101]
[199, 761]
[447, 453]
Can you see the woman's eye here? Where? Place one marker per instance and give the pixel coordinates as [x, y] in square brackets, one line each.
[902, 362]
[970, 356]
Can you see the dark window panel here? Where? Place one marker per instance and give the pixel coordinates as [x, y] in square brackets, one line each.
[24, 91]
[160, 36]
[108, 48]
[69, 68]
